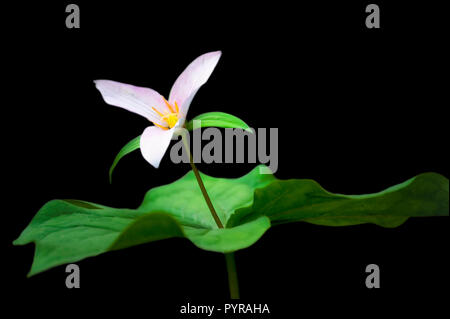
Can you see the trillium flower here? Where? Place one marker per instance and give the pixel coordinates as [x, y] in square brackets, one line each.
[166, 115]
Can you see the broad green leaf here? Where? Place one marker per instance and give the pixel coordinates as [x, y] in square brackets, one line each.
[305, 200]
[184, 201]
[156, 226]
[67, 231]
[128, 148]
[218, 119]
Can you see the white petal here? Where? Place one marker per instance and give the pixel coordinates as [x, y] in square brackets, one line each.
[154, 144]
[192, 78]
[136, 99]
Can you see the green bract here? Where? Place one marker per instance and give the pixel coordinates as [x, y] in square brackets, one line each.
[211, 119]
[217, 119]
[67, 231]
[128, 148]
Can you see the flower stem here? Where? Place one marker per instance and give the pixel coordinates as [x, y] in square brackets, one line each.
[202, 186]
[232, 276]
[205, 195]
[229, 257]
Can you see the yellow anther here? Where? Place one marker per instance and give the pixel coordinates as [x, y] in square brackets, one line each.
[159, 113]
[170, 118]
[160, 126]
[169, 106]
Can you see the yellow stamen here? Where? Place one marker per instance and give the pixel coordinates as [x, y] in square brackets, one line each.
[160, 126]
[159, 113]
[170, 118]
[169, 106]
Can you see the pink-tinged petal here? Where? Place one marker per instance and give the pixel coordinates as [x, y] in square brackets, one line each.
[192, 78]
[154, 144]
[135, 99]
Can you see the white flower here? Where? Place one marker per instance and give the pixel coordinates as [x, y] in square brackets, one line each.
[167, 116]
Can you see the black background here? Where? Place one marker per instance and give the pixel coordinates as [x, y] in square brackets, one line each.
[358, 110]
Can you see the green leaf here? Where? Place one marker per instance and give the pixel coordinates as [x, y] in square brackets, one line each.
[305, 200]
[128, 148]
[218, 119]
[211, 119]
[67, 231]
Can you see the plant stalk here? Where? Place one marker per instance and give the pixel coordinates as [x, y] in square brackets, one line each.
[232, 276]
[229, 257]
[200, 183]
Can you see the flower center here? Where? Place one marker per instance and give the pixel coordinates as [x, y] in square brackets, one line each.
[171, 119]
[170, 116]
